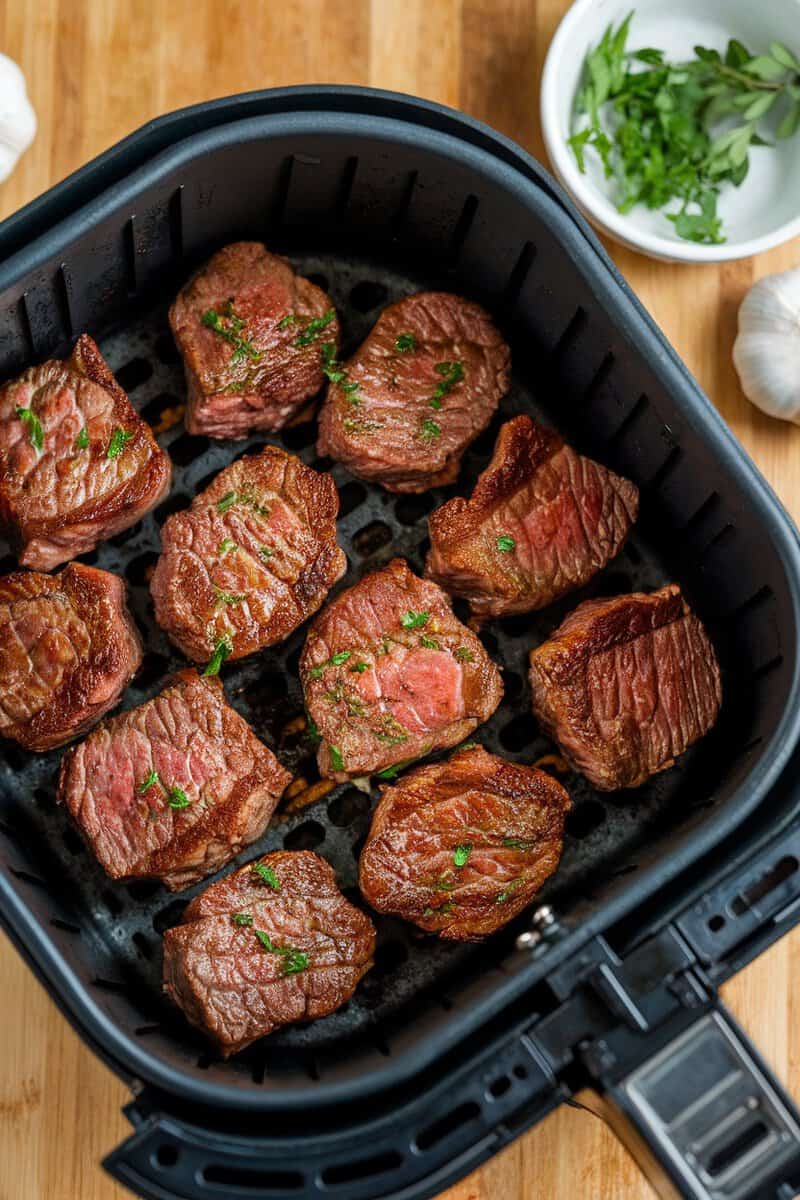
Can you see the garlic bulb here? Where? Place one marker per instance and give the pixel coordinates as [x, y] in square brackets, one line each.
[766, 352]
[17, 118]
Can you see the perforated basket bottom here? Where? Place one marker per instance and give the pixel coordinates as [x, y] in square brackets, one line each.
[123, 923]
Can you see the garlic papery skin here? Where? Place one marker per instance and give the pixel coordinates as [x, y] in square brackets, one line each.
[766, 352]
[17, 118]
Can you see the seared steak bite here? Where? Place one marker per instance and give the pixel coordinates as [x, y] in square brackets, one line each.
[460, 847]
[424, 384]
[390, 674]
[626, 685]
[251, 334]
[251, 559]
[77, 462]
[68, 650]
[541, 521]
[173, 789]
[275, 942]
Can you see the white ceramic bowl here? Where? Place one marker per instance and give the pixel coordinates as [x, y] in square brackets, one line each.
[765, 210]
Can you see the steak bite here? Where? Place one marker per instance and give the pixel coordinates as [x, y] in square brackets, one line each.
[250, 331]
[541, 521]
[460, 847]
[251, 559]
[275, 942]
[390, 674]
[626, 685]
[424, 384]
[172, 790]
[68, 650]
[77, 462]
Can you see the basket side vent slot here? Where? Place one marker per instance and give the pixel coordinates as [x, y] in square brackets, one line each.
[363, 1168]
[252, 1179]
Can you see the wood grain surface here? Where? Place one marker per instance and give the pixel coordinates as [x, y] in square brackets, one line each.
[98, 69]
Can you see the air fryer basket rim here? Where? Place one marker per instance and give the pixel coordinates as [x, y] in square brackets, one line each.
[131, 1058]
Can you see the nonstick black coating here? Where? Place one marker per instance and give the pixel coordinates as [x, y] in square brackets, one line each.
[604, 832]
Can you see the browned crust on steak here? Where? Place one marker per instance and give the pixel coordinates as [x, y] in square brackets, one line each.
[474, 801]
[303, 563]
[411, 697]
[226, 981]
[377, 432]
[277, 388]
[532, 477]
[198, 839]
[85, 692]
[47, 541]
[626, 685]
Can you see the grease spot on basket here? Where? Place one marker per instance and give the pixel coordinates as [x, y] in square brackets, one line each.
[372, 538]
[368, 295]
[584, 819]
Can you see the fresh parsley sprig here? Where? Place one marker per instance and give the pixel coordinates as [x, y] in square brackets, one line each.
[676, 132]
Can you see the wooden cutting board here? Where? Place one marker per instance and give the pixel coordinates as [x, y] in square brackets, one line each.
[98, 69]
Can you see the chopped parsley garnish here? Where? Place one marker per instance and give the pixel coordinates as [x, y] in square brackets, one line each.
[222, 650]
[337, 660]
[508, 892]
[265, 552]
[462, 853]
[226, 546]
[453, 373]
[414, 620]
[392, 732]
[294, 960]
[429, 430]
[505, 543]
[177, 798]
[405, 342]
[330, 366]
[359, 667]
[232, 598]
[266, 875]
[242, 918]
[34, 427]
[463, 654]
[391, 772]
[231, 332]
[444, 910]
[337, 762]
[518, 843]
[314, 328]
[82, 440]
[289, 319]
[227, 501]
[119, 439]
[147, 783]
[312, 731]
[428, 642]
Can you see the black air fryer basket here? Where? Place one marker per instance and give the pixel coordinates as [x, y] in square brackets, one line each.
[446, 1052]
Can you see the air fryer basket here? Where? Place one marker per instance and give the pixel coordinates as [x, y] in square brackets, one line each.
[373, 208]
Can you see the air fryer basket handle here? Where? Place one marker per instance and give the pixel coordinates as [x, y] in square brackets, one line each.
[706, 1119]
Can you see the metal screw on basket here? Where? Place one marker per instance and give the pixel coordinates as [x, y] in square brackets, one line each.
[544, 923]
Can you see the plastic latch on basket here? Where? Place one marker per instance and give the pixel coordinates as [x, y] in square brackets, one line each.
[710, 1112]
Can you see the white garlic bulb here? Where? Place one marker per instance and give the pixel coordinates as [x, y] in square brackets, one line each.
[17, 118]
[766, 352]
